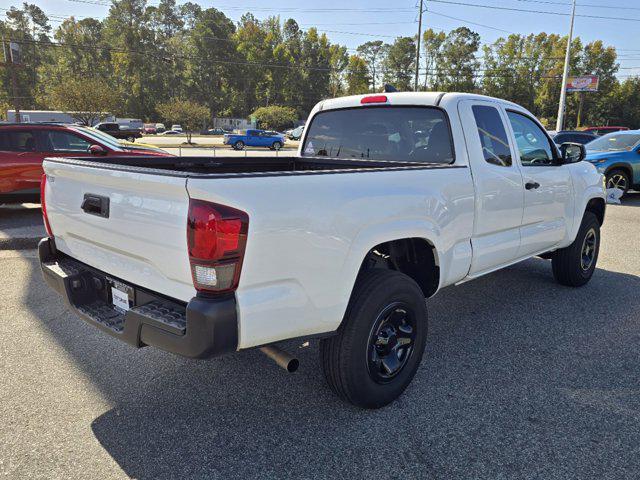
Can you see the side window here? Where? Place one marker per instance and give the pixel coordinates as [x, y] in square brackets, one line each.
[17, 141]
[60, 141]
[493, 136]
[533, 143]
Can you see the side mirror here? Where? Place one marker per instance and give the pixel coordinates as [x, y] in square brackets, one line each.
[572, 152]
[97, 150]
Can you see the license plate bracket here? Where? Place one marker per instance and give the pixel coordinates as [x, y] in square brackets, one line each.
[122, 295]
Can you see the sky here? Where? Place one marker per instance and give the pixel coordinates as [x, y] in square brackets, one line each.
[354, 22]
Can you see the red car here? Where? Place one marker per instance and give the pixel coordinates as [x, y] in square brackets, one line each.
[149, 129]
[23, 147]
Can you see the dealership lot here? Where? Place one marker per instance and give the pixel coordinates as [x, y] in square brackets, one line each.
[522, 378]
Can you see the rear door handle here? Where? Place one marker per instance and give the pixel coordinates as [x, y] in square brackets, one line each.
[95, 205]
[531, 185]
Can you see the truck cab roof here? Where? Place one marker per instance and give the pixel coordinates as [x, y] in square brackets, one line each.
[405, 98]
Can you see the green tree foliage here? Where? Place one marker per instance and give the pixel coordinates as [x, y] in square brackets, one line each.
[625, 103]
[457, 61]
[87, 100]
[209, 77]
[275, 117]
[399, 63]
[29, 28]
[147, 53]
[373, 54]
[189, 114]
[594, 59]
[517, 67]
[432, 53]
[357, 76]
[528, 70]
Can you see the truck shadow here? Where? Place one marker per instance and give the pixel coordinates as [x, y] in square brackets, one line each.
[631, 199]
[517, 368]
[19, 216]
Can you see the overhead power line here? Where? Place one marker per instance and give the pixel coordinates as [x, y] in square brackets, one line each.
[254, 8]
[587, 5]
[542, 12]
[469, 22]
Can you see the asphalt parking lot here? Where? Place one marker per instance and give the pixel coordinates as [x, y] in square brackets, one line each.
[522, 378]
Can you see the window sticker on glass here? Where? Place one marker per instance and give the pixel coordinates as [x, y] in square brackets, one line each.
[309, 150]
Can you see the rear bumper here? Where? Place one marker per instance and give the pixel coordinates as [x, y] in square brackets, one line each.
[203, 328]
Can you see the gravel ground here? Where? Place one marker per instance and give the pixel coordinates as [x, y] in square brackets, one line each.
[522, 378]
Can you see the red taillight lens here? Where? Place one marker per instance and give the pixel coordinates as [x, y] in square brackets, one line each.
[374, 99]
[43, 204]
[216, 240]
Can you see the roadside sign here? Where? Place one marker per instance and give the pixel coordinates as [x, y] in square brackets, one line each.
[587, 83]
[14, 52]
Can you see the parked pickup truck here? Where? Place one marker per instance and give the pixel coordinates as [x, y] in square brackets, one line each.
[390, 199]
[117, 131]
[254, 138]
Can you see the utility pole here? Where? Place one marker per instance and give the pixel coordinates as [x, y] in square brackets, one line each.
[11, 65]
[565, 73]
[415, 88]
[580, 107]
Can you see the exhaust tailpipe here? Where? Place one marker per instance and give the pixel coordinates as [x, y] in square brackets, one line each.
[282, 358]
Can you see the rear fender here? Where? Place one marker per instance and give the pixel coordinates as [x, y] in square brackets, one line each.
[374, 235]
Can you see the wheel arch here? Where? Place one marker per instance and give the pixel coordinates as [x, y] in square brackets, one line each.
[416, 257]
[597, 207]
[621, 166]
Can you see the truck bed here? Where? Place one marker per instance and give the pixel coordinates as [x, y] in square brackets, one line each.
[311, 223]
[243, 166]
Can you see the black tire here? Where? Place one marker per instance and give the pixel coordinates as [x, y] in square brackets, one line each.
[239, 145]
[131, 139]
[276, 146]
[571, 265]
[352, 361]
[618, 178]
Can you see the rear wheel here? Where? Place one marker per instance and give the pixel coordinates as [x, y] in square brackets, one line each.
[239, 145]
[276, 146]
[574, 266]
[618, 179]
[131, 139]
[378, 349]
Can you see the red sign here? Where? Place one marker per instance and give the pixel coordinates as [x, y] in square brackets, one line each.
[588, 83]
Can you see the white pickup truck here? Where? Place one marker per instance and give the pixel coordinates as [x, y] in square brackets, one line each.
[390, 198]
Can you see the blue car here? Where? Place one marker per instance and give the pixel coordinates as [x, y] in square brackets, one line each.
[617, 156]
[255, 138]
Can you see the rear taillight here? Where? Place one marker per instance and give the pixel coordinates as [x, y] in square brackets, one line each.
[216, 240]
[43, 204]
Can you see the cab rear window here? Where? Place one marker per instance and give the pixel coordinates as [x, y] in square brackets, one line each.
[406, 134]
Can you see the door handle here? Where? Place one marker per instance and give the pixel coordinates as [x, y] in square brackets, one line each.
[531, 185]
[95, 205]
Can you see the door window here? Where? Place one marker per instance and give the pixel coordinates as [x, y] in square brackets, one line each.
[493, 137]
[61, 141]
[17, 141]
[533, 144]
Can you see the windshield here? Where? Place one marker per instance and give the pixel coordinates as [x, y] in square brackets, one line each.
[402, 134]
[101, 137]
[614, 142]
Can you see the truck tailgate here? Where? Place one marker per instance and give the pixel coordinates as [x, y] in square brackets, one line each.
[142, 238]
